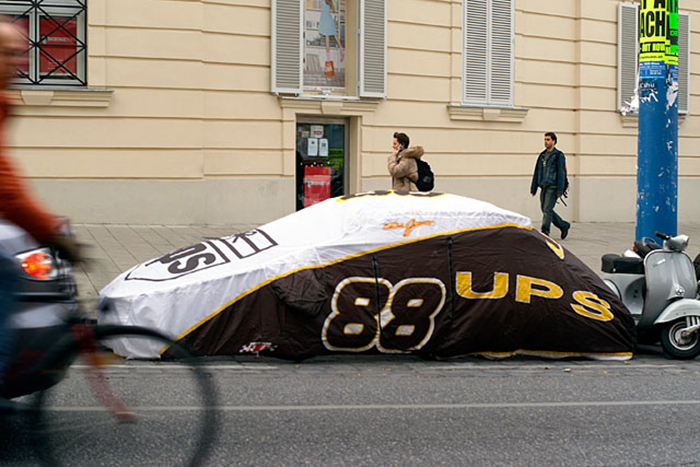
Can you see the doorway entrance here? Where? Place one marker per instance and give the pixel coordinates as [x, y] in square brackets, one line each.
[321, 148]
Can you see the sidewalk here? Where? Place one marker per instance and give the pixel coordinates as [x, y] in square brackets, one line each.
[116, 248]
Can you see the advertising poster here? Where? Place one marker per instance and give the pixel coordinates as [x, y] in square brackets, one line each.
[317, 184]
[324, 55]
[671, 57]
[58, 47]
[653, 24]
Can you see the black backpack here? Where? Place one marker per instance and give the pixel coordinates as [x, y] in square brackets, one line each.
[426, 179]
[565, 194]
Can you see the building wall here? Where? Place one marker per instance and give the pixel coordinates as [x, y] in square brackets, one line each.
[181, 126]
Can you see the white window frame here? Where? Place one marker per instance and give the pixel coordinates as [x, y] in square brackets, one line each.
[490, 78]
[55, 9]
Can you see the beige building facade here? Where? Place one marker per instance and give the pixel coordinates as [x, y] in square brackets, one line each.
[195, 111]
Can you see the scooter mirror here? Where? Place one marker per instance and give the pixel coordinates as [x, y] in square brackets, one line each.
[678, 243]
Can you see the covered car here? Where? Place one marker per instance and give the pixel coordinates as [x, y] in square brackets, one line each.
[378, 272]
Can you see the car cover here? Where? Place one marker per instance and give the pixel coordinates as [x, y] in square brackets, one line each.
[378, 272]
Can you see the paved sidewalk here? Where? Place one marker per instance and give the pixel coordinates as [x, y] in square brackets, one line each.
[116, 248]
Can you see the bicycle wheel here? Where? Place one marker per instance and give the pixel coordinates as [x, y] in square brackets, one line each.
[125, 412]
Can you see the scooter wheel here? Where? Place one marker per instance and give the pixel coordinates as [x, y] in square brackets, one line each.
[675, 345]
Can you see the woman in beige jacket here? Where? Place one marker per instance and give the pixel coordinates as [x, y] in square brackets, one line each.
[402, 164]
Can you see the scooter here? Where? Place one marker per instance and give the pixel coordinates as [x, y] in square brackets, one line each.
[658, 285]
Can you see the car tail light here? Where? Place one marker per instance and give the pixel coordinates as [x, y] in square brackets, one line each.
[39, 264]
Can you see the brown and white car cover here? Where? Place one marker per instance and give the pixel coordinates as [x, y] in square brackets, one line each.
[378, 272]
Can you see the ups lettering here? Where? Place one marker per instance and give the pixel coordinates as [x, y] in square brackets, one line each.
[586, 304]
[191, 255]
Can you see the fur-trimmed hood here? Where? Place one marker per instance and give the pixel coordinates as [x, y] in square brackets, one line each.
[415, 152]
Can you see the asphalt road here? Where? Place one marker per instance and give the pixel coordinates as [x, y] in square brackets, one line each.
[376, 410]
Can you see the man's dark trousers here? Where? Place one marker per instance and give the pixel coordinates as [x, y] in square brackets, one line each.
[548, 199]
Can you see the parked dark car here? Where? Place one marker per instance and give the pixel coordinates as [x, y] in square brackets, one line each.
[47, 293]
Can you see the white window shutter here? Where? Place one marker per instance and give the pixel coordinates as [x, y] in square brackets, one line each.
[476, 46]
[373, 46]
[287, 46]
[501, 60]
[627, 52]
[683, 62]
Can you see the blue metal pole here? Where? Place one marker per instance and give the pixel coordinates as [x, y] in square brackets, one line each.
[657, 160]
[671, 119]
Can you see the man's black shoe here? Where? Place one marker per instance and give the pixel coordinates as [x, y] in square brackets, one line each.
[565, 232]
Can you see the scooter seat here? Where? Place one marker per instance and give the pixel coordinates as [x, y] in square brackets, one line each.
[616, 264]
[644, 249]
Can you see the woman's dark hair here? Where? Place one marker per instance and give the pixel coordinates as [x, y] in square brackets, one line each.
[552, 135]
[402, 138]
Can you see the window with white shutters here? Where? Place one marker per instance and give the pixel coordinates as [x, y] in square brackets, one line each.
[287, 62]
[488, 52]
[628, 56]
[627, 53]
[373, 48]
[287, 46]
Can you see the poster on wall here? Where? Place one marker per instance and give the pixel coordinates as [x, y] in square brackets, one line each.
[324, 54]
[316, 131]
[312, 149]
[58, 47]
[323, 147]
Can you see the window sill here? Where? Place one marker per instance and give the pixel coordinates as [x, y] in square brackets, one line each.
[632, 120]
[329, 106]
[94, 97]
[487, 114]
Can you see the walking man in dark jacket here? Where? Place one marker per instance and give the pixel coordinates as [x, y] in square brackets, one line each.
[550, 176]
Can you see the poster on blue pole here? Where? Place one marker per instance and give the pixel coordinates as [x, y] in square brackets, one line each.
[653, 24]
[657, 162]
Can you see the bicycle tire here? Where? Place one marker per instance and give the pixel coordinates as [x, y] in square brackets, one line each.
[72, 425]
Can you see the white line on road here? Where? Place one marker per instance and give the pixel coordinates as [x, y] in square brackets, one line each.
[505, 405]
[160, 367]
[554, 366]
[311, 408]
[358, 367]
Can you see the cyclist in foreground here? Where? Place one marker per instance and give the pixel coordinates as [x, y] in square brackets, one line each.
[16, 203]
[96, 401]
